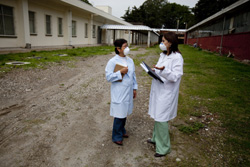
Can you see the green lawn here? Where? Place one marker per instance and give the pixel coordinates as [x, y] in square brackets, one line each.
[41, 58]
[220, 86]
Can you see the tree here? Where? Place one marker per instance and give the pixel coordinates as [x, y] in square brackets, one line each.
[205, 8]
[174, 12]
[160, 14]
[86, 1]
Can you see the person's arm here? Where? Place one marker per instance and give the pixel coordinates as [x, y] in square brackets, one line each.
[135, 85]
[173, 74]
[112, 76]
[134, 93]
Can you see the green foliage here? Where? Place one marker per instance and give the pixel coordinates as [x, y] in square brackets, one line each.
[166, 16]
[206, 8]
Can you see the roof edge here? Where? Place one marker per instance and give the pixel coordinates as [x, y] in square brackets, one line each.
[220, 13]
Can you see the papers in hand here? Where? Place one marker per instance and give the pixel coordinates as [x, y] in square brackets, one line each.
[144, 67]
[119, 67]
[150, 71]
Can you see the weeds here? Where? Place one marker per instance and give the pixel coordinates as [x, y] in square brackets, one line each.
[194, 127]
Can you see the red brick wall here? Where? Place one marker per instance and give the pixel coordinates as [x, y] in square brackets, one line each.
[237, 44]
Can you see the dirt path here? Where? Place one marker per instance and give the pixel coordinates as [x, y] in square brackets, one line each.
[59, 117]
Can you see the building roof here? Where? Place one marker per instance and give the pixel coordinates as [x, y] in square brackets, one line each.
[126, 27]
[97, 12]
[220, 13]
[130, 27]
[174, 30]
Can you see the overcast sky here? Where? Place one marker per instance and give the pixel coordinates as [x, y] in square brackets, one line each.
[119, 6]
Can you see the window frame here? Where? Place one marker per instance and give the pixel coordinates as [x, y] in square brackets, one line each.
[86, 30]
[74, 28]
[3, 18]
[94, 31]
[46, 25]
[60, 26]
[34, 23]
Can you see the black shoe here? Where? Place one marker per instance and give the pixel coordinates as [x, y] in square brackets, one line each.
[150, 141]
[118, 143]
[159, 155]
[125, 136]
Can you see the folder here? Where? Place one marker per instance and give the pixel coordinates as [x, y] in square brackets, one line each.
[150, 71]
[119, 67]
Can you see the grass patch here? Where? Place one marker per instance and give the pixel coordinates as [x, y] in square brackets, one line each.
[134, 49]
[42, 58]
[194, 127]
[218, 85]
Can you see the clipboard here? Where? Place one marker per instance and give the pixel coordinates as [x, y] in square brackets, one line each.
[117, 68]
[150, 71]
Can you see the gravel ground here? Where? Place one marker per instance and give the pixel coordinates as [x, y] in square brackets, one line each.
[59, 117]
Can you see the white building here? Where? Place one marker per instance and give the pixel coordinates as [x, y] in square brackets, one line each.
[32, 23]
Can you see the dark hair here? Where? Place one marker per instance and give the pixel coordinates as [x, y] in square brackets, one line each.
[172, 38]
[119, 43]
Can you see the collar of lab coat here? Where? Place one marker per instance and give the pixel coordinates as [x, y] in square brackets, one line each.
[168, 56]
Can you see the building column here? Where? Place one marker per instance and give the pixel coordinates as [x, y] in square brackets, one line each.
[69, 26]
[24, 31]
[149, 33]
[129, 34]
[90, 35]
[109, 36]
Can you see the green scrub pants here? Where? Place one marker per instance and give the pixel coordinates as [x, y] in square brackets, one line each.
[161, 138]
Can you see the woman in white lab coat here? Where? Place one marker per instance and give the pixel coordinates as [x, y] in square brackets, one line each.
[122, 93]
[164, 96]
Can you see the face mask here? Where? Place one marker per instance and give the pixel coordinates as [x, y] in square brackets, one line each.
[126, 51]
[163, 47]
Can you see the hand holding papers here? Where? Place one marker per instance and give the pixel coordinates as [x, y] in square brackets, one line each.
[150, 71]
[120, 67]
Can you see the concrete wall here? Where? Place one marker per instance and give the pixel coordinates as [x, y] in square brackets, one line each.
[12, 41]
[55, 9]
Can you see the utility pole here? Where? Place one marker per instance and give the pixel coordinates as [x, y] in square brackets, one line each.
[186, 25]
[177, 25]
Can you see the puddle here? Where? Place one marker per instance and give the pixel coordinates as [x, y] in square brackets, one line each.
[17, 63]
[60, 55]
[34, 57]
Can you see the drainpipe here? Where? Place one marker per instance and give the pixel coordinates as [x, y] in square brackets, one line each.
[222, 34]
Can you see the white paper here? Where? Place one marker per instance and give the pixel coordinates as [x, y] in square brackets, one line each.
[144, 67]
[122, 64]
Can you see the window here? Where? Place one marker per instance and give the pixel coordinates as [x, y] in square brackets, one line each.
[48, 25]
[60, 27]
[6, 20]
[73, 28]
[94, 31]
[32, 22]
[86, 30]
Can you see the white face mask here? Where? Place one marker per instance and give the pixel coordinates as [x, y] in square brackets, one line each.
[163, 47]
[126, 51]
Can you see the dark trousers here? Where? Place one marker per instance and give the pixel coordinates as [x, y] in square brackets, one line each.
[118, 129]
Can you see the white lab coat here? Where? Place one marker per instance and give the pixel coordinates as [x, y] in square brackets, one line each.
[164, 96]
[121, 92]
